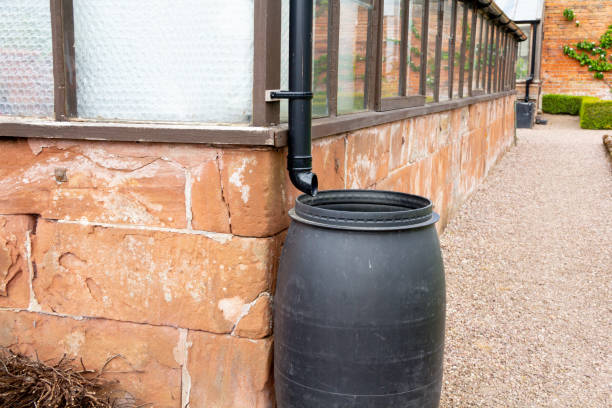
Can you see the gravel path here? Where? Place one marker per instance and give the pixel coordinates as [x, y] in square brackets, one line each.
[529, 266]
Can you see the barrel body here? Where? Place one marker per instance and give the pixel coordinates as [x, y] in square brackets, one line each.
[359, 317]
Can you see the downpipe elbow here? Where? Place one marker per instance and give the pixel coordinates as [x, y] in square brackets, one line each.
[305, 181]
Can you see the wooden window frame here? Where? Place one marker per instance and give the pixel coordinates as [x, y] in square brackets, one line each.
[264, 129]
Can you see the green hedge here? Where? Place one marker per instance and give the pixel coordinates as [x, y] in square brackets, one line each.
[585, 100]
[596, 114]
[570, 104]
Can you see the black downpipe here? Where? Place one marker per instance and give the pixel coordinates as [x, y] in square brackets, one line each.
[299, 158]
[529, 80]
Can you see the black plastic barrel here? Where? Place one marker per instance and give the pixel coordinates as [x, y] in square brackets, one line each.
[360, 303]
[524, 115]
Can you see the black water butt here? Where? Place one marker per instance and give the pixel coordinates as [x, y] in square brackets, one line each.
[360, 303]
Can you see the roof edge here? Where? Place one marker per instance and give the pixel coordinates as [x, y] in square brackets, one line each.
[495, 13]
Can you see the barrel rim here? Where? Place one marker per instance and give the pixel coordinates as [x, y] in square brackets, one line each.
[402, 210]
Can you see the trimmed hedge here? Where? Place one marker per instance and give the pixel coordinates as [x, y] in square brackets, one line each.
[596, 114]
[570, 104]
[587, 99]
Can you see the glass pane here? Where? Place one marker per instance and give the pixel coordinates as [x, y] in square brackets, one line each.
[175, 61]
[478, 57]
[522, 60]
[458, 42]
[494, 60]
[352, 54]
[489, 47]
[319, 58]
[391, 42]
[431, 50]
[284, 105]
[415, 14]
[446, 38]
[502, 65]
[26, 58]
[469, 36]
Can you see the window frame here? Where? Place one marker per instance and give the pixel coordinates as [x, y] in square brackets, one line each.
[264, 129]
[529, 40]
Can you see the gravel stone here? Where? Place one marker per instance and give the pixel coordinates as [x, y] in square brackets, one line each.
[528, 265]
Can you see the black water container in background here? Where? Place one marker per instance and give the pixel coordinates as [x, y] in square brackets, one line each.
[525, 115]
[360, 303]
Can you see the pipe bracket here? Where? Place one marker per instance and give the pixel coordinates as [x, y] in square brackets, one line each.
[276, 95]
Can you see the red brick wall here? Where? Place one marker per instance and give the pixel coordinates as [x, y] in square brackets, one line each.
[561, 74]
[166, 254]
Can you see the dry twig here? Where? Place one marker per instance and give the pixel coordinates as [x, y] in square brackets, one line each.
[27, 383]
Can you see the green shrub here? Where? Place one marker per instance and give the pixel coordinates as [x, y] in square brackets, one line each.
[570, 104]
[596, 114]
[587, 99]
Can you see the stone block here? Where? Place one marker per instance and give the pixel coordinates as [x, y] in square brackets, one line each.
[230, 372]
[257, 320]
[14, 268]
[84, 181]
[367, 156]
[143, 359]
[253, 190]
[185, 280]
[402, 180]
[209, 210]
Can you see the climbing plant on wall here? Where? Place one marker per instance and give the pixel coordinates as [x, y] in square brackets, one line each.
[589, 53]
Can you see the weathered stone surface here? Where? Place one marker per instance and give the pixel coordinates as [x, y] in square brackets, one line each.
[423, 177]
[401, 144]
[440, 167]
[184, 280]
[328, 155]
[479, 115]
[84, 181]
[472, 160]
[402, 180]
[459, 122]
[145, 363]
[424, 137]
[14, 269]
[432, 129]
[455, 161]
[209, 210]
[257, 322]
[252, 187]
[230, 372]
[367, 156]
[444, 129]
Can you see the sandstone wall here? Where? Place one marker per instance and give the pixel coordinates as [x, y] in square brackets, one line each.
[559, 73]
[166, 254]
